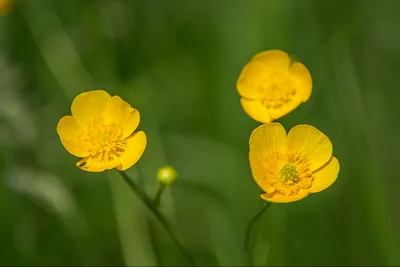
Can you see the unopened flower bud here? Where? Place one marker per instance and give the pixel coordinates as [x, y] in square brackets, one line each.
[166, 175]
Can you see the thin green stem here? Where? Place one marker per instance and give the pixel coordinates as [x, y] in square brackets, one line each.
[152, 207]
[250, 227]
[152, 236]
[160, 189]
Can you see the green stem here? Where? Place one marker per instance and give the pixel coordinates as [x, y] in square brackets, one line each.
[152, 207]
[152, 235]
[250, 228]
[160, 189]
[153, 242]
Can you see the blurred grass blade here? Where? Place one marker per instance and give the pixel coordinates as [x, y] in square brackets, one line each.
[56, 47]
[131, 218]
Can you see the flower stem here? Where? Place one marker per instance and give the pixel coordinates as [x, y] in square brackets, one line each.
[160, 189]
[153, 208]
[250, 228]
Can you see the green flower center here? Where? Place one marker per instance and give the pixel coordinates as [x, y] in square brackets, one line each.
[289, 173]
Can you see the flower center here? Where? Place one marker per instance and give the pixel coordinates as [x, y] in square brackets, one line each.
[105, 141]
[278, 90]
[289, 173]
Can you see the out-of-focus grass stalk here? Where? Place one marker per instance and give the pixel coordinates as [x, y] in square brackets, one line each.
[135, 244]
[161, 219]
[56, 47]
[355, 110]
[49, 192]
[249, 229]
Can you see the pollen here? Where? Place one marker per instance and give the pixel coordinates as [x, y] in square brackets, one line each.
[105, 141]
[289, 173]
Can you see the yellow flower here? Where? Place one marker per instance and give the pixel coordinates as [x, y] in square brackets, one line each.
[6, 6]
[289, 168]
[101, 131]
[166, 175]
[271, 86]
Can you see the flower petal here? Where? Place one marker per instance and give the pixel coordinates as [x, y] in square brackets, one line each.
[266, 140]
[274, 58]
[256, 110]
[251, 79]
[259, 70]
[122, 114]
[97, 164]
[136, 145]
[326, 176]
[261, 113]
[89, 105]
[278, 198]
[303, 80]
[69, 131]
[277, 111]
[308, 141]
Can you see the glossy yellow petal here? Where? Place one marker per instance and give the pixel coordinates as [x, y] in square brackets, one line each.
[98, 164]
[268, 138]
[277, 111]
[89, 105]
[136, 145]
[274, 58]
[256, 75]
[265, 142]
[278, 198]
[70, 131]
[302, 79]
[308, 141]
[256, 110]
[122, 114]
[326, 176]
[252, 79]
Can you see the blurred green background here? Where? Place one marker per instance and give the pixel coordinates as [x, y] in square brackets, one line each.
[177, 61]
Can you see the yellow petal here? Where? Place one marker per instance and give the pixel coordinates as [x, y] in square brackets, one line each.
[70, 131]
[122, 114]
[97, 164]
[278, 111]
[256, 110]
[278, 198]
[326, 176]
[261, 113]
[251, 79]
[302, 79]
[258, 71]
[266, 140]
[308, 141]
[89, 105]
[274, 58]
[136, 145]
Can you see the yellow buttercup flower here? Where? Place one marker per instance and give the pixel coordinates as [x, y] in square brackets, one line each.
[101, 131]
[290, 167]
[271, 85]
